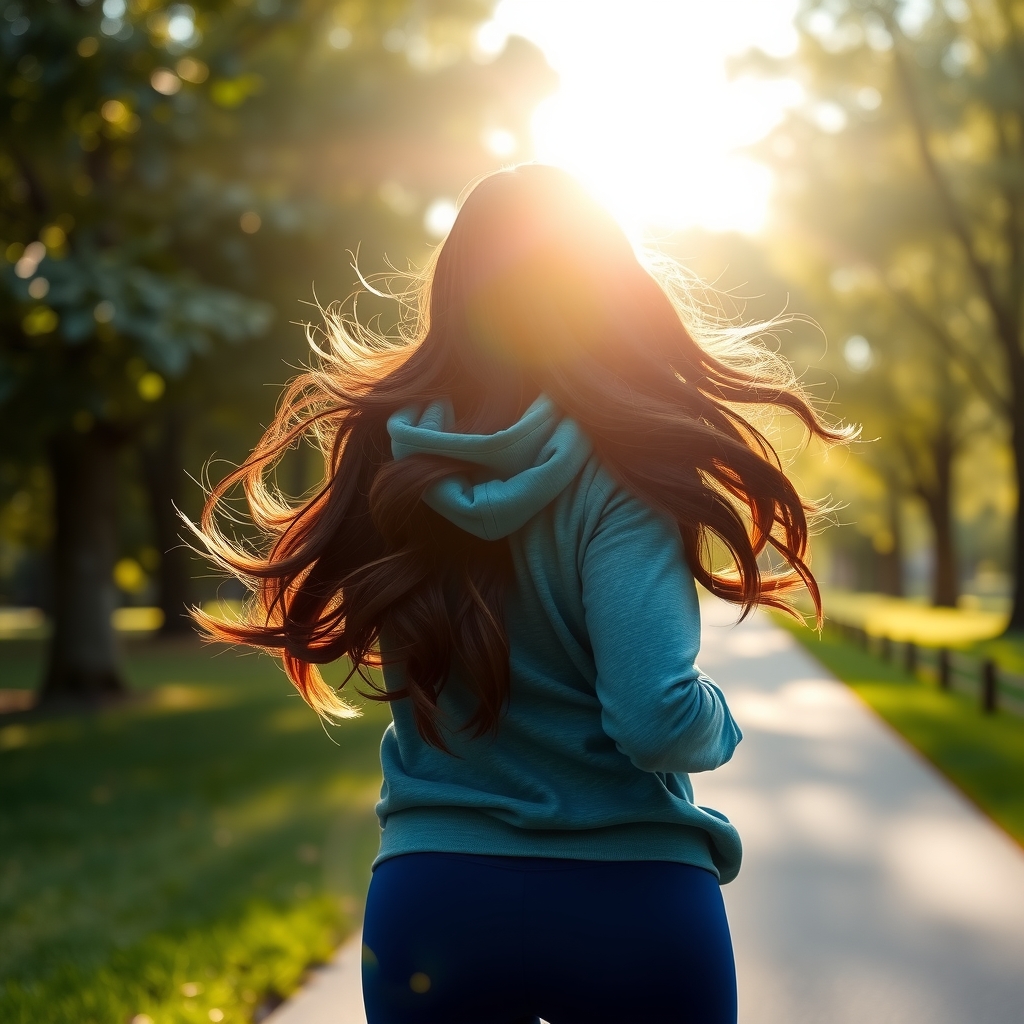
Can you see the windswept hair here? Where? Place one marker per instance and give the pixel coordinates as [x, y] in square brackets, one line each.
[535, 290]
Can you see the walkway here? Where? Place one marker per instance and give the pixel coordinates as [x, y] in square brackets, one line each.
[870, 891]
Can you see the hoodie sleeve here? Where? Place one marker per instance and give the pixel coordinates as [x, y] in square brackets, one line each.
[643, 620]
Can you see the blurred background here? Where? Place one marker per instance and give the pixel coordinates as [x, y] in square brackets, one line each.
[181, 183]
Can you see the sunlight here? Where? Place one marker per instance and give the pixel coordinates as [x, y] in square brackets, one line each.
[645, 113]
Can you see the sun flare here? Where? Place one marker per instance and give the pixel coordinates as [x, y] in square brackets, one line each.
[646, 114]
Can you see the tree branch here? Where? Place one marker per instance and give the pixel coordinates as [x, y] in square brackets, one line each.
[1012, 194]
[973, 367]
[1010, 25]
[38, 200]
[1004, 320]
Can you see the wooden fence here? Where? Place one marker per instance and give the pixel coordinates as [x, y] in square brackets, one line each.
[995, 687]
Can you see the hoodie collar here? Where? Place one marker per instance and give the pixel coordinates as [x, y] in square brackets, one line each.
[530, 463]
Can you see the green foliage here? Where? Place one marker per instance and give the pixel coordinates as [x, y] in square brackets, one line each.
[168, 169]
[92, 172]
[177, 179]
[901, 217]
[982, 754]
[210, 832]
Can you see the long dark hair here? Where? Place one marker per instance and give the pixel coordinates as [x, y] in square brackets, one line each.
[535, 289]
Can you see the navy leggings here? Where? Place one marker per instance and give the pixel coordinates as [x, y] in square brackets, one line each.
[460, 939]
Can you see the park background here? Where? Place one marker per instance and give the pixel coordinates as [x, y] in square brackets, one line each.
[181, 184]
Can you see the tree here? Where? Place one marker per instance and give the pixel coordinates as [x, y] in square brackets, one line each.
[918, 414]
[789, 288]
[901, 184]
[171, 173]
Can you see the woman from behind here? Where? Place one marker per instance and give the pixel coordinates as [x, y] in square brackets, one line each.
[516, 504]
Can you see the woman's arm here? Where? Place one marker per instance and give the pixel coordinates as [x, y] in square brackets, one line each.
[644, 624]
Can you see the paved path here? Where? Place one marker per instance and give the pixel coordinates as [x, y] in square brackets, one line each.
[871, 891]
[333, 996]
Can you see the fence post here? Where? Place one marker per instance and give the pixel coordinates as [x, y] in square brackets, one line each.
[945, 669]
[885, 649]
[989, 686]
[910, 657]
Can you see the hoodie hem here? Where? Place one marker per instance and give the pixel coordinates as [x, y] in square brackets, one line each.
[461, 830]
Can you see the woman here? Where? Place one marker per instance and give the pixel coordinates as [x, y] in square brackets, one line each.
[516, 503]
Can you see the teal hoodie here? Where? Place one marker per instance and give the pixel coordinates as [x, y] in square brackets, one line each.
[608, 711]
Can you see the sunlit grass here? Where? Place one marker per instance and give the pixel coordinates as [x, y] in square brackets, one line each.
[211, 829]
[1006, 651]
[900, 619]
[21, 622]
[31, 623]
[227, 970]
[983, 754]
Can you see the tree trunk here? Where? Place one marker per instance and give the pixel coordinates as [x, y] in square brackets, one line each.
[939, 502]
[83, 657]
[1016, 623]
[164, 471]
[890, 563]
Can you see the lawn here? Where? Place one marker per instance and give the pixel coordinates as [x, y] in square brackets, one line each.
[903, 619]
[982, 754]
[186, 856]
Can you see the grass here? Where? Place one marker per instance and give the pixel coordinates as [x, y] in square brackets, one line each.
[186, 856]
[982, 754]
[1006, 651]
[902, 619]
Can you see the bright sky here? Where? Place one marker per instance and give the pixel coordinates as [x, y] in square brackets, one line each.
[645, 113]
